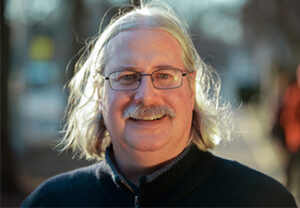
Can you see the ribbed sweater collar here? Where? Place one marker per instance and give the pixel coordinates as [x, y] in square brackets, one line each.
[162, 187]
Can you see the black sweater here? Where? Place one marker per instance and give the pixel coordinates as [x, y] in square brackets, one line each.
[195, 178]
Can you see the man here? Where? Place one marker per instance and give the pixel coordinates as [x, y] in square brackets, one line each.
[144, 100]
[290, 123]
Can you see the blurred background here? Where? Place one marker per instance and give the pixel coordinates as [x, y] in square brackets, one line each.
[253, 44]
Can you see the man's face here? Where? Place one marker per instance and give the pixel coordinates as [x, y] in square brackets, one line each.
[145, 50]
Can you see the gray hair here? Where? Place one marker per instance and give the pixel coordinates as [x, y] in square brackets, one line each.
[85, 131]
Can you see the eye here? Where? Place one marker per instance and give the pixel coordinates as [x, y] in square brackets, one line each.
[163, 76]
[126, 77]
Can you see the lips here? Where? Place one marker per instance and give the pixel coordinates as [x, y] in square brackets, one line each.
[148, 118]
[147, 122]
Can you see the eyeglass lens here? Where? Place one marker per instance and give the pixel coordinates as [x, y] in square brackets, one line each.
[161, 79]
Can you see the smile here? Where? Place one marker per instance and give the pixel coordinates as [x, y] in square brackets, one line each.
[148, 118]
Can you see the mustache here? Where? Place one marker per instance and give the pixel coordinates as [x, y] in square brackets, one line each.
[140, 111]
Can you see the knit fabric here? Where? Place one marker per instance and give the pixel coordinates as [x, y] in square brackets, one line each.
[194, 178]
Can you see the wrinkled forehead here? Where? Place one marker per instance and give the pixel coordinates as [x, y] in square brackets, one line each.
[142, 48]
[141, 43]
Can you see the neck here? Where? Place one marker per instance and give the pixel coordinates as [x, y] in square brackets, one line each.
[134, 173]
[138, 164]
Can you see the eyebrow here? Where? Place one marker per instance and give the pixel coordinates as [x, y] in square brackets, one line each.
[132, 68]
[164, 66]
[124, 68]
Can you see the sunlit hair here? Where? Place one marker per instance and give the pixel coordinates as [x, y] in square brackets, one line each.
[85, 131]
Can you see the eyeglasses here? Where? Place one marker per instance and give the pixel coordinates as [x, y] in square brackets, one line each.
[163, 79]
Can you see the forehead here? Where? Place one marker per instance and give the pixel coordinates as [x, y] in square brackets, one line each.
[143, 48]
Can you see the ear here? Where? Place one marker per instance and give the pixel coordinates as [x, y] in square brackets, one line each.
[192, 78]
[100, 104]
[99, 96]
[192, 81]
[100, 107]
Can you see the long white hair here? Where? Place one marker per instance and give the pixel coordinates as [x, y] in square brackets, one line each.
[85, 131]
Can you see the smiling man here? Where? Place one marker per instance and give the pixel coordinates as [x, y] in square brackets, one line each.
[148, 117]
[145, 104]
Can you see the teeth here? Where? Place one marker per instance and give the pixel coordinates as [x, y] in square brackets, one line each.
[149, 118]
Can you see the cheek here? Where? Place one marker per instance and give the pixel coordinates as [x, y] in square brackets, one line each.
[186, 99]
[111, 114]
[108, 98]
[114, 105]
[185, 106]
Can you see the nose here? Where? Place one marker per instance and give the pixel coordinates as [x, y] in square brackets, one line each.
[146, 94]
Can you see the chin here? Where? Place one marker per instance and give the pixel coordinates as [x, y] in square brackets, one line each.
[147, 143]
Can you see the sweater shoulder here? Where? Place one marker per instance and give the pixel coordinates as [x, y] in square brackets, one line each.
[64, 186]
[234, 169]
[70, 179]
[251, 184]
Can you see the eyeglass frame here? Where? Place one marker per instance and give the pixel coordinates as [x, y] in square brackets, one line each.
[146, 74]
